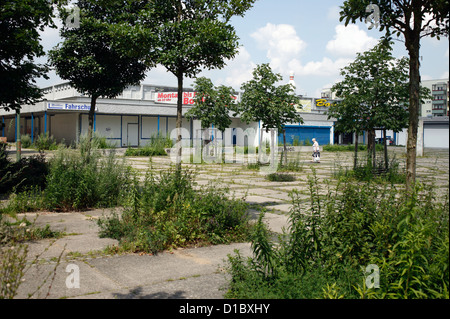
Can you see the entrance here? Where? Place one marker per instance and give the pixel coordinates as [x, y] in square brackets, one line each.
[132, 134]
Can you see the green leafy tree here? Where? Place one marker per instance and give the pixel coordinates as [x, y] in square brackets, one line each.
[374, 94]
[194, 35]
[20, 23]
[100, 57]
[262, 100]
[412, 20]
[212, 104]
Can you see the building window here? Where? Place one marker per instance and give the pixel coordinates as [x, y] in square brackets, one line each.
[439, 87]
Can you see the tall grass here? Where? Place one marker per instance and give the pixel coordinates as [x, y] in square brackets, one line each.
[331, 241]
[155, 147]
[79, 181]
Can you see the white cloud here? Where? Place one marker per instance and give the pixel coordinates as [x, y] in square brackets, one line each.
[326, 67]
[350, 40]
[281, 42]
[236, 71]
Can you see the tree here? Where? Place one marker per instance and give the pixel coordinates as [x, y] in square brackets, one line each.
[194, 35]
[212, 104]
[374, 94]
[100, 57]
[262, 100]
[413, 19]
[20, 23]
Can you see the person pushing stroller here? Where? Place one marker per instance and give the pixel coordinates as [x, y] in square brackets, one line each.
[316, 151]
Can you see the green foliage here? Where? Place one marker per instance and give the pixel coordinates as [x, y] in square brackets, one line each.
[45, 142]
[20, 24]
[292, 165]
[97, 142]
[80, 181]
[26, 141]
[101, 56]
[167, 213]
[27, 200]
[279, 177]
[17, 176]
[263, 101]
[374, 92]
[155, 147]
[349, 148]
[339, 233]
[366, 171]
[212, 104]
[194, 35]
[397, 17]
[14, 251]
[12, 266]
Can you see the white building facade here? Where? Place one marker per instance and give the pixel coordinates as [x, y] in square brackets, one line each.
[138, 114]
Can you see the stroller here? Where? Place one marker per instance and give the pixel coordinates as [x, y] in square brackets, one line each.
[316, 157]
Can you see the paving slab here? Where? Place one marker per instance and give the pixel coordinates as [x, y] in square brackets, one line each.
[184, 273]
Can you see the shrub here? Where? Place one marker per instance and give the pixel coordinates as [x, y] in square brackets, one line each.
[278, 177]
[29, 200]
[145, 151]
[79, 181]
[26, 141]
[98, 142]
[167, 212]
[366, 171]
[45, 142]
[340, 233]
[18, 176]
[155, 147]
[349, 148]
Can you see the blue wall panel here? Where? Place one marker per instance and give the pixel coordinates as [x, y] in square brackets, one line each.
[305, 133]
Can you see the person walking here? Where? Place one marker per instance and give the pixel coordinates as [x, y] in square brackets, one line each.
[316, 151]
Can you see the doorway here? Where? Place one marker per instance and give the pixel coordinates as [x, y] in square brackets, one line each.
[132, 134]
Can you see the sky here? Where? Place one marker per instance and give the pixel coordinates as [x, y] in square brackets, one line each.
[300, 36]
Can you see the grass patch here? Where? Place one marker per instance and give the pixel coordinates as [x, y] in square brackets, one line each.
[166, 212]
[330, 242]
[155, 147]
[367, 172]
[279, 177]
[350, 148]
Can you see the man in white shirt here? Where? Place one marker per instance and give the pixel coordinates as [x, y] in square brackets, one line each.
[316, 151]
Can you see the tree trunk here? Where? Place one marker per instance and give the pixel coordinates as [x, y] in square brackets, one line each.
[260, 148]
[272, 146]
[355, 163]
[414, 107]
[374, 149]
[412, 43]
[284, 147]
[91, 127]
[179, 119]
[371, 147]
[386, 160]
[18, 138]
[91, 117]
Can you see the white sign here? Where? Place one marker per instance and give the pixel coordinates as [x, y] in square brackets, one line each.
[68, 106]
[172, 97]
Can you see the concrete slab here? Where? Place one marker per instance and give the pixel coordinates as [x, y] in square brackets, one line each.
[185, 273]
